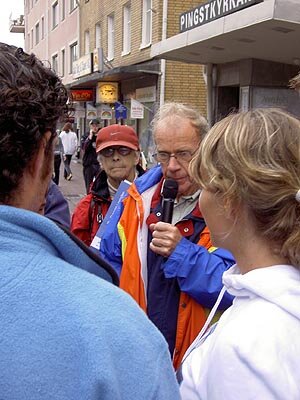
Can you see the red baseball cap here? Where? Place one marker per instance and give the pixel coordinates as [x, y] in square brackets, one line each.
[117, 135]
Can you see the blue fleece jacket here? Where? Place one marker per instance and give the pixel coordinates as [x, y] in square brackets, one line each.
[66, 333]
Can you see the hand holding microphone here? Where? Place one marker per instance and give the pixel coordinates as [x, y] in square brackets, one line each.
[165, 236]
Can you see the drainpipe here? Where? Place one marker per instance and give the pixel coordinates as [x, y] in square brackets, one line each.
[209, 70]
[163, 61]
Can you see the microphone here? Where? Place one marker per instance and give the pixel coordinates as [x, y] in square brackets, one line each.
[169, 193]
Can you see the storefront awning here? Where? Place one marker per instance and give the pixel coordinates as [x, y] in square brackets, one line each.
[269, 30]
[117, 74]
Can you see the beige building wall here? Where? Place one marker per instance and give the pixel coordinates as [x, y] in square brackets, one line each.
[184, 82]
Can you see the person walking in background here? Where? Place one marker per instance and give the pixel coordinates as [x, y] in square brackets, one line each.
[249, 171]
[69, 141]
[58, 154]
[118, 151]
[171, 270]
[89, 160]
[67, 331]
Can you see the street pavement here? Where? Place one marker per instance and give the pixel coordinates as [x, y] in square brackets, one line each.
[74, 189]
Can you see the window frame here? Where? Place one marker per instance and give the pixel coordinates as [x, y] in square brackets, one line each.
[54, 62]
[73, 46]
[110, 36]
[55, 14]
[37, 33]
[98, 36]
[146, 24]
[126, 29]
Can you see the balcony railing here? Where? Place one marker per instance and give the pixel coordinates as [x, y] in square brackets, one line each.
[17, 25]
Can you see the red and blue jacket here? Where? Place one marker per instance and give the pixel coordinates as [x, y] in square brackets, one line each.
[192, 273]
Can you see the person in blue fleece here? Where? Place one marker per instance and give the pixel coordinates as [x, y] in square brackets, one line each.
[66, 331]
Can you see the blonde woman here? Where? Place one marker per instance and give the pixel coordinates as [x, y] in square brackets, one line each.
[249, 170]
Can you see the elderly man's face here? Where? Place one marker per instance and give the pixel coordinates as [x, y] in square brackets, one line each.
[175, 137]
[119, 163]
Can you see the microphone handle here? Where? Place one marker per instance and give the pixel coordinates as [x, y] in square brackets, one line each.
[167, 210]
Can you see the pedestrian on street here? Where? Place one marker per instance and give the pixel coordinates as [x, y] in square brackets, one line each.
[89, 160]
[249, 171]
[67, 331]
[118, 152]
[69, 141]
[58, 155]
[171, 269]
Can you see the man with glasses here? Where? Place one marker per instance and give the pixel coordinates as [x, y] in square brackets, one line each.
[117, 148]
[67, 332]
[171, 270]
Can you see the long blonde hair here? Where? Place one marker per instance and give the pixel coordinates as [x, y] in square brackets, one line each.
[254, 157]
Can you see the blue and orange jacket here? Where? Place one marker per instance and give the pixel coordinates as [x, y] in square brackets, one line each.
[198, 267]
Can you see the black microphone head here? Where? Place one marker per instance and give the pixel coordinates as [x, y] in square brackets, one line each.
[170, 189]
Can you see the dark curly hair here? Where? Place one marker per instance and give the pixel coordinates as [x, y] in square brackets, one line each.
[32, 101]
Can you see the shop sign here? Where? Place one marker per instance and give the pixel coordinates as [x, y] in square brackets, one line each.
[82, 66]
[107, 92]
[98, 60]
[210, 11]
[146, 94]
[82, 94]
[136, 109]
[91, 111]
[105, 112]
[120, 111]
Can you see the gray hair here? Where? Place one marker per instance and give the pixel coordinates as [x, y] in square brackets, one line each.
[175, 111]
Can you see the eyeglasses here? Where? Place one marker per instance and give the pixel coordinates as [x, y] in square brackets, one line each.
[110, 151]
[181, 156]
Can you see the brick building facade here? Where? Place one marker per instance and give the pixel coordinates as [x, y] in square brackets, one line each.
[140, 77]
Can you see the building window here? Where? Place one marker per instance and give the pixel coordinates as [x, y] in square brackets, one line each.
[110, 36]
[63, 9]
[55, 63]
[73, 5]
[37, 33]
[54, 14]
[86, 42]
[73, 55]
[43, 28]
[98, 36]
[147, 23]
[63, 62]
[126, 29]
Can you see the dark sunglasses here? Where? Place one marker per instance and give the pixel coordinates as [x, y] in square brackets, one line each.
[110, 151]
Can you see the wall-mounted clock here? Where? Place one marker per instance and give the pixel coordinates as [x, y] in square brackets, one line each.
[108, 92]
